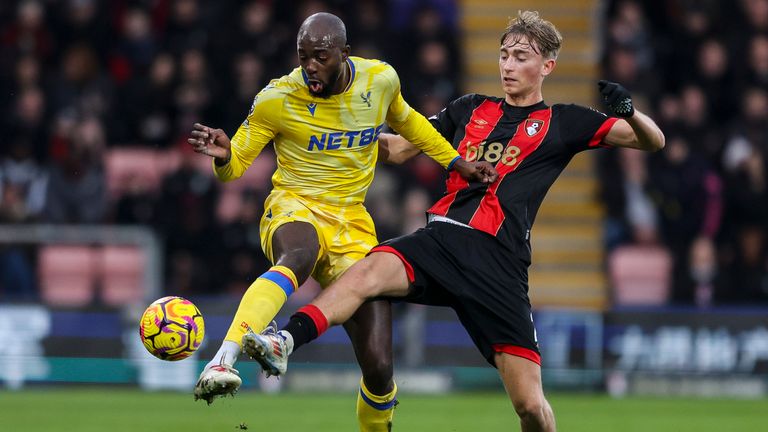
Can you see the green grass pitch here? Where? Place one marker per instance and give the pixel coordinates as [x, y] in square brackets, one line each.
[104, 409]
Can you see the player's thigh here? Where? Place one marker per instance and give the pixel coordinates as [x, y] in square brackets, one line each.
[288, 224]
[521, 378]
[296, 237]
[347, 234]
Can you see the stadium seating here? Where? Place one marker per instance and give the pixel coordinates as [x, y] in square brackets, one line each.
[67, 275]
[640, 275]
[126, 166]
[71, 276]
[122, 274]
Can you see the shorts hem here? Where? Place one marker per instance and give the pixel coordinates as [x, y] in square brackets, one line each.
[408, 267]
[518, 351]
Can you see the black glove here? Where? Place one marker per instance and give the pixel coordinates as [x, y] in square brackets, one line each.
[617, 98]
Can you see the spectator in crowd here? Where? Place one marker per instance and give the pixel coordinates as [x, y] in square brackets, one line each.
[705, 278]
[186, 28]
[77, 185]
[148, 113]
[22, 196]
[194, 93]
[81, 22]
[186, 217]
[27, 124]
[247, 80]
[81, 83]
[714, 77]
[703, 136]
[749, 268]
[688, 196]
[28, 35]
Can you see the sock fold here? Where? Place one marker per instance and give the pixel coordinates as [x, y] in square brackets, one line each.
[383, 402]
[374, 412]
[261, 302]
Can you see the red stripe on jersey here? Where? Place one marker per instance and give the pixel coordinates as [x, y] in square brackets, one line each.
[482, 122]
[529, 135]
[518, 351]
[602, 131]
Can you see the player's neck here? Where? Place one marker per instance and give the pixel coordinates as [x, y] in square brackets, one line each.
[524, 100]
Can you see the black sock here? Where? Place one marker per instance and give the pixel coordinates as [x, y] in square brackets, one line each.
[302, 328]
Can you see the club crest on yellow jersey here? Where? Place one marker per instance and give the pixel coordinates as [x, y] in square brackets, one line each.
[366, 98]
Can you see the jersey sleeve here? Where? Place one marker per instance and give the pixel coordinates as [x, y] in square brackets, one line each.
[258, 129]
[415, 127]
[583, 128]
[447, 120]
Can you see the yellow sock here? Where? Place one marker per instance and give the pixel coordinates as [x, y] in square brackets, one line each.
[374, 413]
[261, 302]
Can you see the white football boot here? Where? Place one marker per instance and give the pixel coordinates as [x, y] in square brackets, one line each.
[217, 381]
[269, 349]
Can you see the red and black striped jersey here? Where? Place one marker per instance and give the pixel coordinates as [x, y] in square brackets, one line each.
[529, 146]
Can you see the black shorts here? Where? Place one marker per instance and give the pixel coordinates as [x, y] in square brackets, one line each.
[471, 272]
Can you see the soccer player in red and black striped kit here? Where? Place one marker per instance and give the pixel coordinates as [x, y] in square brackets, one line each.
[474, 253]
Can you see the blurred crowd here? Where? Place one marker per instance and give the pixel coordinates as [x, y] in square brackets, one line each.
[701, 69]
[83, 82]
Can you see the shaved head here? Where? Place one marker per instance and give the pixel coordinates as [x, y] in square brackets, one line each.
[321, 45]
[324, 28]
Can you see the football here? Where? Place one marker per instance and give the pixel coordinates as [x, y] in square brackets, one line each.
[172, 328]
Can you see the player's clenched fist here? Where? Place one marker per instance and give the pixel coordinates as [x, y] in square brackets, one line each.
[211, 142]
[617, 98]
[482, 172]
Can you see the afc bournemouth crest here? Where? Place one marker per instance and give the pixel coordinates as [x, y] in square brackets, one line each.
[533, 126]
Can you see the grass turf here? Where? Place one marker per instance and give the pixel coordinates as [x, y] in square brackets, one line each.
[105, 409]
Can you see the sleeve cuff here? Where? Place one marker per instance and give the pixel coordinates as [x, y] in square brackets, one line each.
[453, 162]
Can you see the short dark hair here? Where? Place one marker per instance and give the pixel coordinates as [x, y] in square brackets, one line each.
[542, 34]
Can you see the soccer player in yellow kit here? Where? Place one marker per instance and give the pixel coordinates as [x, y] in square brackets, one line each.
[325, 118]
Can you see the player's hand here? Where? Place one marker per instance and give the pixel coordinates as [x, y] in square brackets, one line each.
[211, 142]
[617, 98]
[482, 172]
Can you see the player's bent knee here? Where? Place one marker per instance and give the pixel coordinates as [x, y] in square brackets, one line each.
[300, 261]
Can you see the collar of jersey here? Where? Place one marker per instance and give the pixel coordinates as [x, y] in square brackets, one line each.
[523, 110]
[351, 75]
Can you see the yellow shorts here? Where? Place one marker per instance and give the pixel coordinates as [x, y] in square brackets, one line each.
[346, 234]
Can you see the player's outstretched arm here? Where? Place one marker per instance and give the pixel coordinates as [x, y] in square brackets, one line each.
[635, 129]
[394, 149]
[211, 142]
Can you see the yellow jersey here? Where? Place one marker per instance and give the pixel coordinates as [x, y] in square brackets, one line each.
[327, 148]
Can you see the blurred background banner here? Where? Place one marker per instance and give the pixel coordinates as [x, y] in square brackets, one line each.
[650, 271]
[643, 351]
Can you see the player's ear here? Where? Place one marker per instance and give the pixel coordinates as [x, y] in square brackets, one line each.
[345, 52]
[548, 67]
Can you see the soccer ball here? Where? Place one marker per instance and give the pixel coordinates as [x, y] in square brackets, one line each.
[172, 328]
